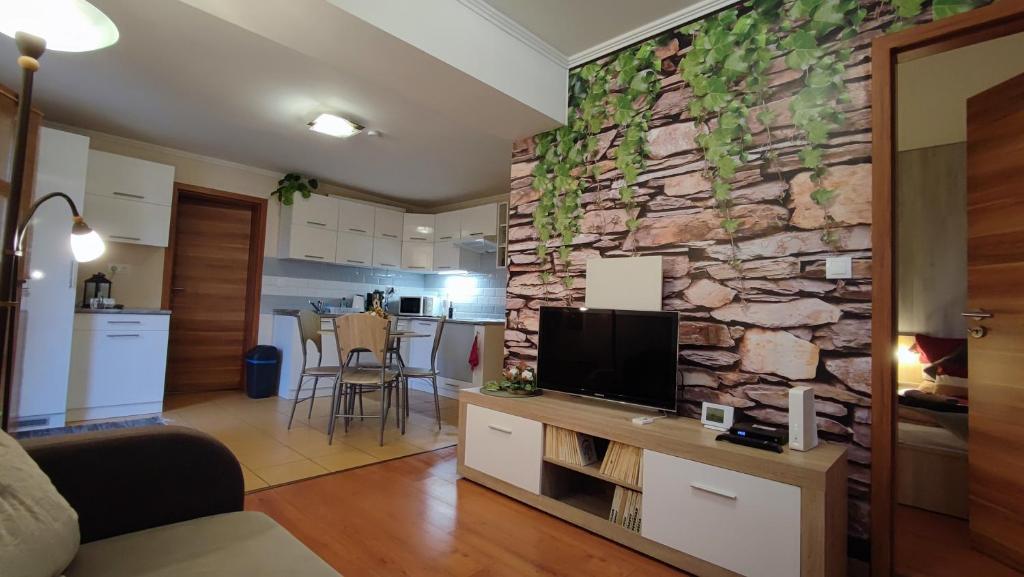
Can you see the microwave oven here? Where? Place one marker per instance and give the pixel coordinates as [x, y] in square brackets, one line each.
[416, 306]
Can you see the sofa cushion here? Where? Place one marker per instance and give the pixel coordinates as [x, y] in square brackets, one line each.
[243, 544]
[38, 529]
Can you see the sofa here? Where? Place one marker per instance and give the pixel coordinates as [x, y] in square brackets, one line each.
[152, 502]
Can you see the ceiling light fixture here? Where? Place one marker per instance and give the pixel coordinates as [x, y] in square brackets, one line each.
[66, 25]
[336, 126]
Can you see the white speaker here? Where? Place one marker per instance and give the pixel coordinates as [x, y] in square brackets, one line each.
[803, 427]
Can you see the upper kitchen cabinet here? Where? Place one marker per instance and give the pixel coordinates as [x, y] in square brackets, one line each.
[388, 223]
[354, 249]
[447, 226]
[317, 211]
[387, 253]
[129, 200]
[418, 256]
[127, 178]
[418, 228]
[355, 217]
[479, 221]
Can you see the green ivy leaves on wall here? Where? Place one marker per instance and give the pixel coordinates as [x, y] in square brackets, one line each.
[616, 94]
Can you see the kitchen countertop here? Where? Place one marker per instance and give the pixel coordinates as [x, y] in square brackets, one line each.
[463, 320]
[125, 311]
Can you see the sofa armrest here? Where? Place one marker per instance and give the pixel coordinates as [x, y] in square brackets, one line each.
[126, 480]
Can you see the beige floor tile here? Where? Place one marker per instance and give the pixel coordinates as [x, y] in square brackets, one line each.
[285, 473]
[344, 457]
[430, 439]
[252, 480]
[265, 454]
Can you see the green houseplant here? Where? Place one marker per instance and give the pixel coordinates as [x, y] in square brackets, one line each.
[292, 183]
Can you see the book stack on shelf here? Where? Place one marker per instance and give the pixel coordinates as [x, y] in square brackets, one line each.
[570, 447]
[626, 509]
[624, 462]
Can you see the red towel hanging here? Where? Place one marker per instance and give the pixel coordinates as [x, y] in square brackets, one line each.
[474, 354]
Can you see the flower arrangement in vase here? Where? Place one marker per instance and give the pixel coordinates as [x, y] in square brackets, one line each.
[517, 380]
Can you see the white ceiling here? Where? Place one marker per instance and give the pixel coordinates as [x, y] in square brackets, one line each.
[575, 26]
[240, 85]
[933, 91]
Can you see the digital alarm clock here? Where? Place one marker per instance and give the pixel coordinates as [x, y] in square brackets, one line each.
[717, 417]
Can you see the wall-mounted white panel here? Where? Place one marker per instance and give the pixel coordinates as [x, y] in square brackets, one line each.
[630, 283]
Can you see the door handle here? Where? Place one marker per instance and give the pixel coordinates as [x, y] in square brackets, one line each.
[500, 429]
[977, 315]
[714, 491]
[129, 195]
[134, 238]
[132, 335]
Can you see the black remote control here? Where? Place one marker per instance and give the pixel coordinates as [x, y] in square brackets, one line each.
[749, 442]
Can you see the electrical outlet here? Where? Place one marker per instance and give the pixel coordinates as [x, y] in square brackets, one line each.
[119, 269]
[838, 267]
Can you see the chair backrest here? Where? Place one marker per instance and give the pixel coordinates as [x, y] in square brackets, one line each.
[437, 342]
[309, 330]
[362, 332]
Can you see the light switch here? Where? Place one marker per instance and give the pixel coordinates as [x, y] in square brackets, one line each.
[838, 267]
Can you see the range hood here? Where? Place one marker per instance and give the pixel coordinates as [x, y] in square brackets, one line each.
[479, 244]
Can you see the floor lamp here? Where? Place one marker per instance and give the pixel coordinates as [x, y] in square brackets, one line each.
[70, 26]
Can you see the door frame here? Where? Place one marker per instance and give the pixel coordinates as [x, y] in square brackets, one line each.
[257, 238]
[993, 21]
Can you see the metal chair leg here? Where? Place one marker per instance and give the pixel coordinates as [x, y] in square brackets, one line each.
[437, 401]
[385, 403]
[312, 398]
[334, 405]
[295, 402]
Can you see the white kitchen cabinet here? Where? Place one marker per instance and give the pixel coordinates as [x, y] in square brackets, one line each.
[354, 249]
[387, 253]
[128, 221]
[307, 243]
[388, 223]
[355, 217]
[447, 226]
[704, 511]
[418, 227]
[126, 178]
[117, 365]
[317, 211]
[420, 348]
[40, 388]
[448, 256]
[507, 447]
[479, 221]
[418, 256]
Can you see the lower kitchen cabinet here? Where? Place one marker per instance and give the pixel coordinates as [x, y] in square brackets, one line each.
[118, 363]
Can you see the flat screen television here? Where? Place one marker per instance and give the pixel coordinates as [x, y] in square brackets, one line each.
[620, 355]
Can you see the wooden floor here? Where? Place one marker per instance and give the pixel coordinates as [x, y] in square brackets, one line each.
[933, 545]
[413, 517]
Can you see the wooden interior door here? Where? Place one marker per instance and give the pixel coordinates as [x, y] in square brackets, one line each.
[995, 285]
[210, 293]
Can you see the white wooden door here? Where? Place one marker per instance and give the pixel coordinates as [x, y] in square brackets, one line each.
[418, 227]
[308, 243]
[447, 226]
[317, 211]
[128, 221]
[126, 178]
[480, 221]
[417, 256]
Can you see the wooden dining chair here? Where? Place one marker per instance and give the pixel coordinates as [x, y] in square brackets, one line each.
[431, 373]
[363, 333]
[309, 332]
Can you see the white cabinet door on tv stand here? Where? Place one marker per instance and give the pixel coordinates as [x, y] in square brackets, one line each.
[743, 523]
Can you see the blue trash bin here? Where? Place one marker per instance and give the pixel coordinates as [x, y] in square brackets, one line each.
[262, 371]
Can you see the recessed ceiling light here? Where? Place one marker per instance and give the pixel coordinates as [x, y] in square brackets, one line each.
[337, 126]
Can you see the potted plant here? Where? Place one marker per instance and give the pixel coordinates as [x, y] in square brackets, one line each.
[518, 381]
[292, 183]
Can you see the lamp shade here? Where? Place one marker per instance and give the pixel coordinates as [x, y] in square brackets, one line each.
[86, 244]
[65, 25]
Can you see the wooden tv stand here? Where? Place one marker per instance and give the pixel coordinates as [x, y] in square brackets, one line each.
[708, 507]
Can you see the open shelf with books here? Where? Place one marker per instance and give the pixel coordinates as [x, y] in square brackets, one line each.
[599, 476]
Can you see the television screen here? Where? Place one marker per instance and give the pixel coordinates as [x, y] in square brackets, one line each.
[627, 356]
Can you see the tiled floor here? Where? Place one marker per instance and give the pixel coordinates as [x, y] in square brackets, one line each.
[256, 431]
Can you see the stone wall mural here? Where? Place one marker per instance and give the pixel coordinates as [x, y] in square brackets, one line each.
[739, 149]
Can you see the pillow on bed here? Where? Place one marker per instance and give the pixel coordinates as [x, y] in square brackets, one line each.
[951, 386]
[942, 356]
